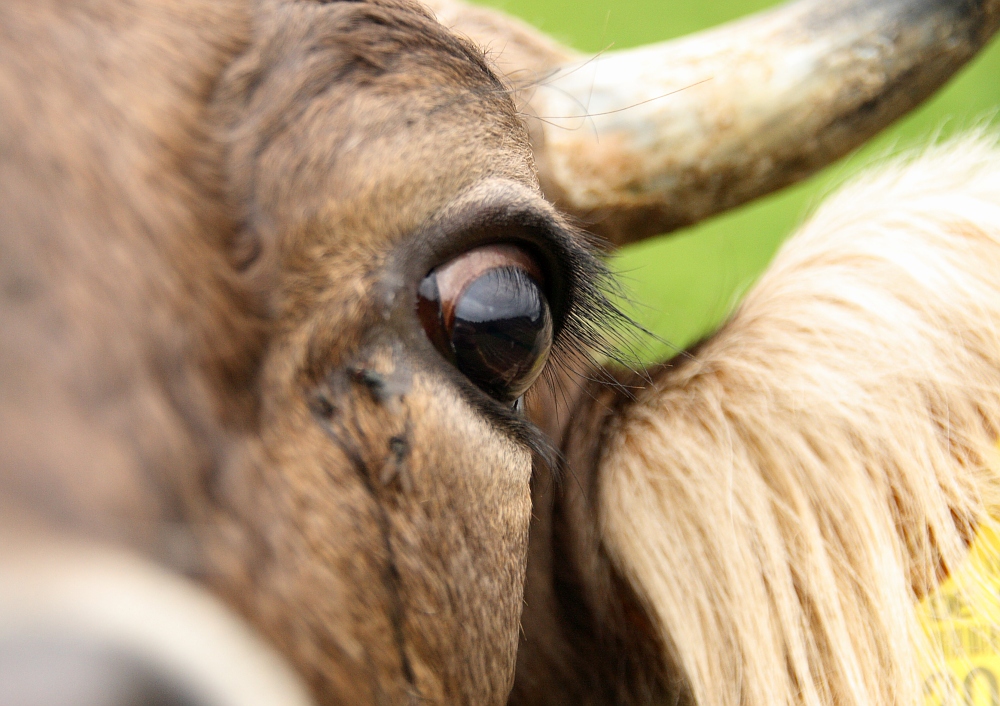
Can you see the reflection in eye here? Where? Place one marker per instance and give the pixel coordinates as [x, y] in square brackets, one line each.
[487, 314]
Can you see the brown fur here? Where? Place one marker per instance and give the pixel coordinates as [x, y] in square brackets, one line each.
[215, 215]
[189, 246]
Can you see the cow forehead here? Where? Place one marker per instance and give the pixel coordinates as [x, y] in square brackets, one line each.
[358, 121]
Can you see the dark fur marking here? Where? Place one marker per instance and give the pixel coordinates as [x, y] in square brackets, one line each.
[391, 576]
[395, 466]
[382, 388]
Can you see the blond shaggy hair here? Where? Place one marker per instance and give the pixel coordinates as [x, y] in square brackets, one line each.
[783, 500]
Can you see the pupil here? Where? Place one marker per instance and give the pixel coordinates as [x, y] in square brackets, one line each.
[502, 332]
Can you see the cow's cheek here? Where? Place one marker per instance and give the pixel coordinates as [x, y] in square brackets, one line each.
[388, 539]
[466, 525]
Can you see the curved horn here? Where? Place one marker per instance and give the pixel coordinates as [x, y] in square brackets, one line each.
[643, 141]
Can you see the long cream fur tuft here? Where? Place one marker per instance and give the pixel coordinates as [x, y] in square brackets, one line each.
[784, 499]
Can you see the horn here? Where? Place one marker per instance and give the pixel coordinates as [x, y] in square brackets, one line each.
[647, 140]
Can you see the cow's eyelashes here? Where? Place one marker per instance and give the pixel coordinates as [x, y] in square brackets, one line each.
[486, 311]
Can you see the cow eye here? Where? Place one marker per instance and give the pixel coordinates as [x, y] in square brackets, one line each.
[487, 313]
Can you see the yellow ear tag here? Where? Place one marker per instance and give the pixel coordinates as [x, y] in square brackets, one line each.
[962, 619]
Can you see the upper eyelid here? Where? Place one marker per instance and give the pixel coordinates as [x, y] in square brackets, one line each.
[481, 224]
[493, 212]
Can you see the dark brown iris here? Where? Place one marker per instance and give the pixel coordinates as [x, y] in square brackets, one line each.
[487, 314]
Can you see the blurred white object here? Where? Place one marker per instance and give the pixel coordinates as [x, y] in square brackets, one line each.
[88, 626]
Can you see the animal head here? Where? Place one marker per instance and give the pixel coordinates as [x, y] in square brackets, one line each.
[281, 281]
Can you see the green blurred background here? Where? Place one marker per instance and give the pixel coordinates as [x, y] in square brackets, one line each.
[684, 284]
